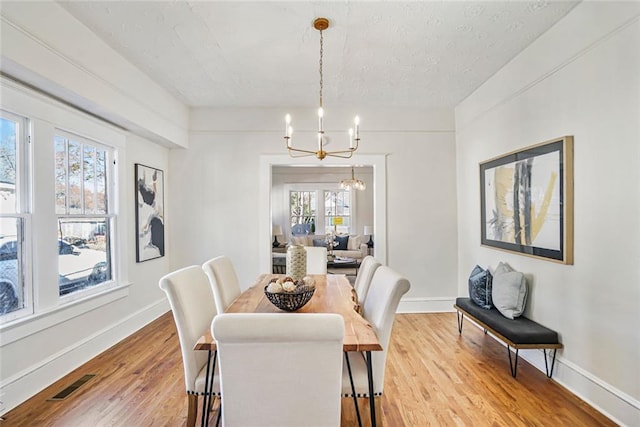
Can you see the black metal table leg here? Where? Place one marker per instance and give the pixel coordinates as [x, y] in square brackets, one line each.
[353, 389]
[372, 406]
[205, 399]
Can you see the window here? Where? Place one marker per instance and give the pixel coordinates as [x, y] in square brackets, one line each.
[14, 291]
[58, 200]
[337, 213]
[83, 214]
[320, 210]
[303, 208]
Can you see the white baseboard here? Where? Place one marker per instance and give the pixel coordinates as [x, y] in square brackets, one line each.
[426, 305]
[616, 405]
[23, 385]
[621, 408]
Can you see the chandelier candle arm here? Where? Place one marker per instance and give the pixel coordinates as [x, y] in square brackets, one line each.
[322, 24]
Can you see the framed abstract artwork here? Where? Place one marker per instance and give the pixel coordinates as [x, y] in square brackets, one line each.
[149, 213]
[526, 201]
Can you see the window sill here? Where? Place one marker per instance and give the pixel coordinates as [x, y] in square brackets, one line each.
[29, 325]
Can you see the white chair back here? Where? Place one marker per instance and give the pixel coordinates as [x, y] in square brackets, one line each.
[193, 308]
[368, 266]
[380, 305]
[316, 259]
[224, 281]
[280, 369]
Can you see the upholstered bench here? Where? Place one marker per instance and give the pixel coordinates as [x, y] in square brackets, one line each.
[517, 333]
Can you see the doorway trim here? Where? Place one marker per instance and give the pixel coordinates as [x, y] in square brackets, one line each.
[377, 161]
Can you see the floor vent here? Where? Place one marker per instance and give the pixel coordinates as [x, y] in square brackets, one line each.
[73, 387]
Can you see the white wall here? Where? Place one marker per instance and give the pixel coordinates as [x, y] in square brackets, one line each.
[581, 78]
[215, 189]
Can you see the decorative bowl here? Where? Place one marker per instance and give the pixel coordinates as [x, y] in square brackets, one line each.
[290, 301]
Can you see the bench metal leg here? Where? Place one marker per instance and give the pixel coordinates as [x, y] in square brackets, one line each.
[513, 365]
[553, 362]
[460, 320]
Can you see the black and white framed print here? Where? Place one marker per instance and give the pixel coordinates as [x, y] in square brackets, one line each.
[149, 213]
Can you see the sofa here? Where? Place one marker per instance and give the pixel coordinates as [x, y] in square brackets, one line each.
[356, 246]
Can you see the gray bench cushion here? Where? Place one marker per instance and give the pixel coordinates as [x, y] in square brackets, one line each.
[519, 330]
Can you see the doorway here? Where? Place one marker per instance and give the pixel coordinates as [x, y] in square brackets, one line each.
[376, 164]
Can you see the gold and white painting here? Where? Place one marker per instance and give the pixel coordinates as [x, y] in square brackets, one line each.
[526, 201]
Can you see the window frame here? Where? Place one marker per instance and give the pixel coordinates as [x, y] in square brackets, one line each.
[109, 215]
[47, 114]
[23, 189]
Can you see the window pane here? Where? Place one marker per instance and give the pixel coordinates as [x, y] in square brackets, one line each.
[75, 177]
[11, 256]
[84, 256]
[101, 182]
[8, 158]
[61, 174]
[303, 211]
[89, 172]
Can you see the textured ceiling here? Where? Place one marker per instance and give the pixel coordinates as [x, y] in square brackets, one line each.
[418, 54]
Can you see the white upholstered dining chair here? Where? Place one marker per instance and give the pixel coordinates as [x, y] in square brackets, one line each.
[316, 259]
[193, 308]
[280, 369]
[368, 267]
[224, 281]
[380, 305]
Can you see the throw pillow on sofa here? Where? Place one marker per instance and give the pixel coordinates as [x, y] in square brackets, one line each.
[341, 243]
[300, 240]
[509, 293]
[320, 242]
[354, 243]
[480, 287]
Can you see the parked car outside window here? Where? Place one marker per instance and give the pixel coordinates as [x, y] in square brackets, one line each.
[79, 267]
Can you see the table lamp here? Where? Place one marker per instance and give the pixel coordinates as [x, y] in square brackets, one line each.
[276, 231]
[368, 231]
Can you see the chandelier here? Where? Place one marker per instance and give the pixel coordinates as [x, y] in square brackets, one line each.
[322, 24]
[353, 183]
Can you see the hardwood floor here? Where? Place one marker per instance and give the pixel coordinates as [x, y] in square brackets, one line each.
[434, 377]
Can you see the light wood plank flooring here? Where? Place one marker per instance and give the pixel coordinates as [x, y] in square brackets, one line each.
[434, 377]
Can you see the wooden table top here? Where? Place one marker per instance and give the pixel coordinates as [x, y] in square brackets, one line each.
[333, 295]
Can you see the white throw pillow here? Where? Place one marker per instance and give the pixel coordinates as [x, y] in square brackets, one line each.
[354, 243]
[502, 268]
[299, 240]
[509, 293]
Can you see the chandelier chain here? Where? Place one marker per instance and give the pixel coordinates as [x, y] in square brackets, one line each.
[321, 76]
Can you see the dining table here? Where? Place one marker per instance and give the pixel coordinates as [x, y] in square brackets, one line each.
[333, 294]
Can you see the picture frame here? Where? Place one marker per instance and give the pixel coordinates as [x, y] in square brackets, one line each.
[149, 207]
[526, 201]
